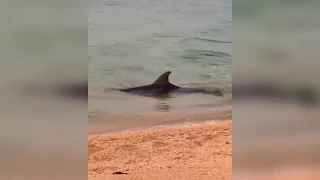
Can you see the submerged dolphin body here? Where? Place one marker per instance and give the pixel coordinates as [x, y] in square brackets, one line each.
[163, 86]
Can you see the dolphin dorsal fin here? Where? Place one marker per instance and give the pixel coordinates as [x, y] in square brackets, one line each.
[163, 79]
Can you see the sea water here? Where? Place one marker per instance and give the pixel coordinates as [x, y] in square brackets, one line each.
[131, 43]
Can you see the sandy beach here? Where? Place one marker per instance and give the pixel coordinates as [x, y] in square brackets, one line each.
[193, 153]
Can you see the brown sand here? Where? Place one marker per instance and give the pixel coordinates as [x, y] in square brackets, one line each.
[194, 153]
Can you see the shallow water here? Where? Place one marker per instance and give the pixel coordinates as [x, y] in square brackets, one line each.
[131, 43]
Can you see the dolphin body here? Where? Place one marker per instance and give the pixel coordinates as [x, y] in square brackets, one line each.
[163, 86]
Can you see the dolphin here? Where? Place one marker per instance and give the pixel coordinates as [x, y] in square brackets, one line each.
[163, 86]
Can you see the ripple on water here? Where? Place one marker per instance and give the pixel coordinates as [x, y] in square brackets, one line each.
[193, 55]
[132, 42]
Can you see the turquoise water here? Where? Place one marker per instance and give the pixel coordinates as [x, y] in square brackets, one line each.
[131, 43]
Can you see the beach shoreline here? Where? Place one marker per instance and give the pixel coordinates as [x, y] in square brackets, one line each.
[114, 123]
[202, 151]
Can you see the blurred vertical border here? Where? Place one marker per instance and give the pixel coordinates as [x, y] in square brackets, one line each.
[43, 89]
[276, 89]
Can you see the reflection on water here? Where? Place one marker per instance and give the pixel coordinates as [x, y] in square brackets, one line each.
[164, 96]
[162, 107]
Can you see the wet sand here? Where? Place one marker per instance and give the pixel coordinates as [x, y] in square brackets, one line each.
[193, 153]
